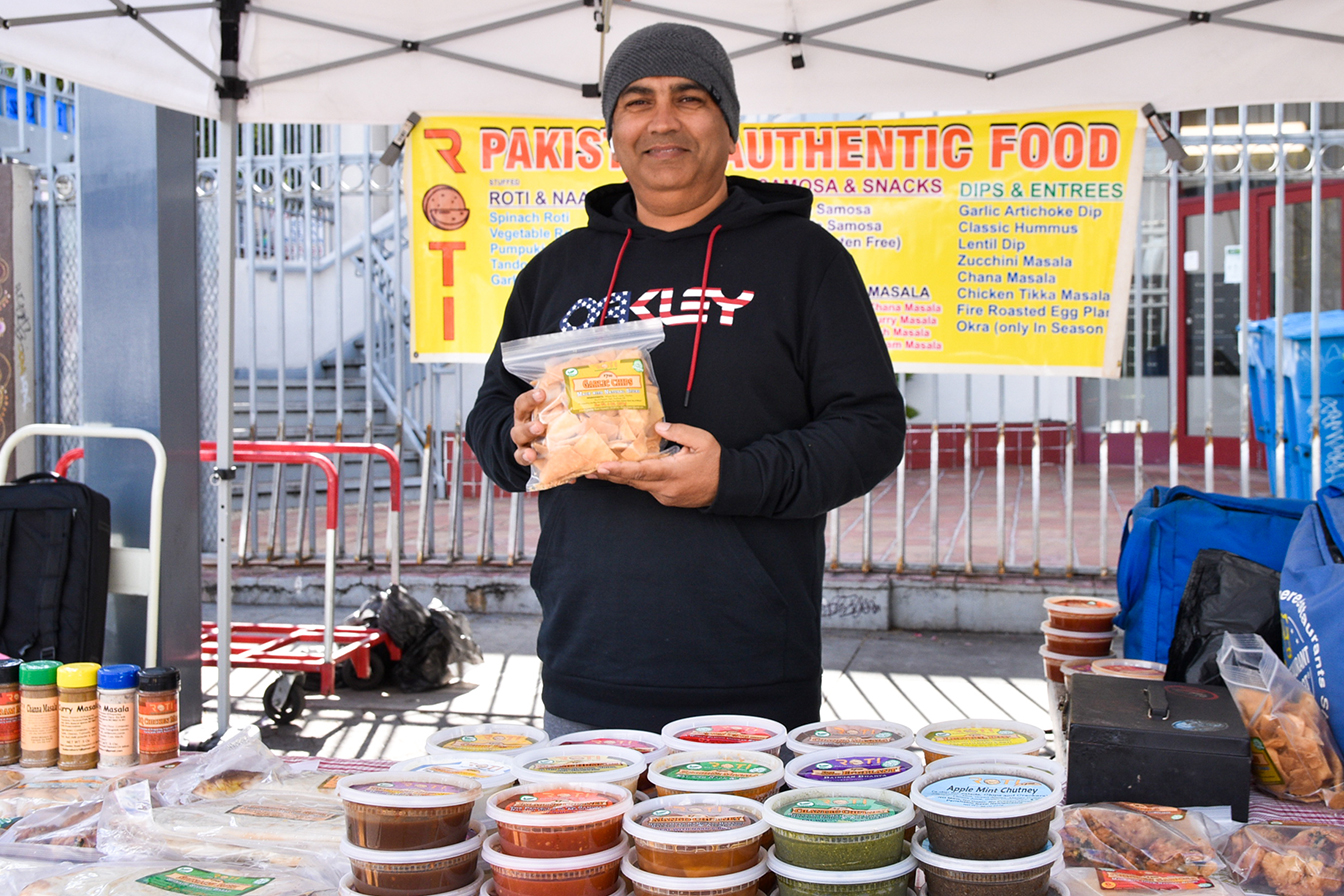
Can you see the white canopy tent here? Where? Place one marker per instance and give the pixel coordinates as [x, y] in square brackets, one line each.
[353, 61]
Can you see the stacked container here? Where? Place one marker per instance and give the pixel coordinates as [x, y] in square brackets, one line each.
[1076, 627]
[699, 844]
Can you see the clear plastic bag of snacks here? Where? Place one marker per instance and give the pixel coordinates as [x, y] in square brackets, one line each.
[602, 399]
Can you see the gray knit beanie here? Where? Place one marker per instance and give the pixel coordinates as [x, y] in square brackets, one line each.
[672, 50]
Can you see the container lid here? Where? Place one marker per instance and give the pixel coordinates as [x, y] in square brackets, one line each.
[494, 856]
[398, 790]
[783, 869]
[9, 670]
[500, 740]
[1081, 665]
[1125, 668]
[1051, 632]
[651, 746]
[488, 888]
[471, 843]
[719, 882]
[985, 790]
[849, 733]
[1040, 763]
[1063, 658]
[159, 678]
[488, 771]
[1080, 605]
[38, 673]
[586, 761]
[696, 819]
[120, 677]
[563, 802]
[735, 732]
[970, 735]
[77, 675]
[924, 854]
[347, 887]
[839, 811]
[886, 769]
[716, 771]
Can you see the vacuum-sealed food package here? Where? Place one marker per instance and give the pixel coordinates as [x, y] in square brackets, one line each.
[160, 878]
[1291, 860]
[1138, 837]
[602, 400]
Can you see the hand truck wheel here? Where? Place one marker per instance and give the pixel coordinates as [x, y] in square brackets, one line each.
[377, 672]
[283, 699]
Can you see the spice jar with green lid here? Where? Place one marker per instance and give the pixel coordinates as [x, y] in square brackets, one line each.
[77, 690]
[9, 711]
[39, 732]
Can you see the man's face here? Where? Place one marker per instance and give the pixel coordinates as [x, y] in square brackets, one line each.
[670, 138]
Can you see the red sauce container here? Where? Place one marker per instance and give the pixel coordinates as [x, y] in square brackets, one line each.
[406, 810]
[559, 819]
[697, 834]
[1077, 613]
[1076, 644]
[597, 874]
[414, 872]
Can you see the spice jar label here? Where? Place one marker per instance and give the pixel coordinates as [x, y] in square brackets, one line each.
[285, 812]
[986, 791]
[840, 809]
[852, 769]
[468, 768]
[702, 819]
[409, 788]
[9, 716]
[848, 736]
[487, 743]
[39, 732]
[196, 882]
[724, 734]
[558, 802]
[638, 746]
[78, 727]
[715, 770]
[607, 386]
[979, 736]
[577, 764]
[1150, 880]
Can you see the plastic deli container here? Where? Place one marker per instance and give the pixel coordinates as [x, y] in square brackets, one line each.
[987, 811]
[1123, 668]
[697, 834]
[488, 889]
[1039, 763]
[651, 746]
[839, 828]
[734, 732]
[347, 887]
[606, 765]
[1080, 666]
[949, 876]
[1075, 644]
[961, 736]
[491, 772]
[888, 880]
[1056, 663]
[414, 872]
[742, 772]
[501, 740]
[644, 882]
[593, 874]
[849, 733]
[406, 810]
[1077, 613]
[885, 769]
[558, 819]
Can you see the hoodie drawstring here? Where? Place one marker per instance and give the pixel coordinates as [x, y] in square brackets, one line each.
[614, 271]
[700, 314]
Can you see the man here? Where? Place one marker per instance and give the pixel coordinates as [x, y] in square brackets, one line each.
[691, 584]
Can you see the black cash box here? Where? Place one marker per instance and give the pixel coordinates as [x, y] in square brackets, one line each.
[1157, 742]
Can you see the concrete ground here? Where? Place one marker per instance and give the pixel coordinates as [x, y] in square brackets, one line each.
[903, 676]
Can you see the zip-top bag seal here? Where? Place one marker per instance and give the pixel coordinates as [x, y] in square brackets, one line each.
[602, 399]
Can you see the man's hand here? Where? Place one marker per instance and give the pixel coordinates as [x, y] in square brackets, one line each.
[524, 431]
[689, 478]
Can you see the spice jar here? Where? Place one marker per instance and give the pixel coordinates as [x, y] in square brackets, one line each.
[117, 696]
[77, 690]
[39, 729]
[9, 711]
[158, 713]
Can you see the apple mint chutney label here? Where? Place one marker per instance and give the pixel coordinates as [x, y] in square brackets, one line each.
[716, 770]
[840, 809]
[986, 791]
[853, 769]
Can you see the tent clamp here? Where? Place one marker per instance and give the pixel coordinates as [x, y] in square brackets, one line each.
[591, 90]
[794, 39]
[410, 46]
[222, 474]
[232, 88]
[1200, 18]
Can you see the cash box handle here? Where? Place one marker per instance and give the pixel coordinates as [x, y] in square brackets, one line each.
[1157, 702]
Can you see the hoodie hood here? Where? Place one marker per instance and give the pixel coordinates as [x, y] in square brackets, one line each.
[612, 208]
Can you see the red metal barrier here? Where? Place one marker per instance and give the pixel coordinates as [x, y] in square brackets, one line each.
[67, 459]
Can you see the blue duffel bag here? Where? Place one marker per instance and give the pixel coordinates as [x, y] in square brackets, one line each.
[1311, 600]
[1163, 534]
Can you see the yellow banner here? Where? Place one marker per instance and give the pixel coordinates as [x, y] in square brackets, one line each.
[989, 243]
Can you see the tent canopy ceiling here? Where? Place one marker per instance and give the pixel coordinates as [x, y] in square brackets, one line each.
[353, 61]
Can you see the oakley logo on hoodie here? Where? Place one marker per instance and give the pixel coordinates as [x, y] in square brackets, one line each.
[587, 312]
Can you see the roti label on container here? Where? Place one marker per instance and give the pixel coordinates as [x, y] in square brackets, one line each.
[285, 812]
[849, 736]
[558, 802]
[638, 746]
[696, 819]
[487, 743]
[724, 734]
[196, 882]
[986, 791]
[840, 809]
[577, 764]
[1150, 880]
[409, 788]
[851, 769]
[716, 770]
[979, 736]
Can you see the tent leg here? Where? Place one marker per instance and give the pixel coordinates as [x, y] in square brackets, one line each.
[228, 163]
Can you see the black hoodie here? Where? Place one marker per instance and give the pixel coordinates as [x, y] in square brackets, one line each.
[651, 613]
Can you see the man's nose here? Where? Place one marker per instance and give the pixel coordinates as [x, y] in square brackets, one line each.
[664, 117]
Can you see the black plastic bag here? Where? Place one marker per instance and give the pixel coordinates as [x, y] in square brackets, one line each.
[1225, 593]
[401, 616]
[446, 642]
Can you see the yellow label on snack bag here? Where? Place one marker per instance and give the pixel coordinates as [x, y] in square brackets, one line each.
[610, 386]
[1263, 768]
